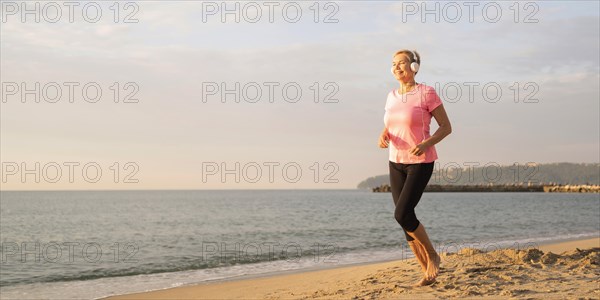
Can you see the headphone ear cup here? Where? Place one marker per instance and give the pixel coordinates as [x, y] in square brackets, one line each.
[414, 67]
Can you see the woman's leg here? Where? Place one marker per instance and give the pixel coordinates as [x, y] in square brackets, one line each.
[433, 259]
[398, 177]
[418, 176]
[414, 179]
[421, 255]
[397, 181]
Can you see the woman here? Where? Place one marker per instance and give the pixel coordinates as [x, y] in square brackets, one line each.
[408, 112]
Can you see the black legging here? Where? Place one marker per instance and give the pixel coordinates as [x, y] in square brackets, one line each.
[408, 181]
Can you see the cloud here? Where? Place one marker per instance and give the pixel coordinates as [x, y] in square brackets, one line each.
[170, 54]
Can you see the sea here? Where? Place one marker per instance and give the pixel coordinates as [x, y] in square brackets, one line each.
[94, 244]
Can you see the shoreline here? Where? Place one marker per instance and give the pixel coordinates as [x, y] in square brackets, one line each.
[501, 188]
[333, 282]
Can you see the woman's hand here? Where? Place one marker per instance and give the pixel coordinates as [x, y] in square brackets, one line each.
[418, 149]
[384, 139]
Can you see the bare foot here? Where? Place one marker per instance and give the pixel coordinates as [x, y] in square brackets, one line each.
[424, 281]
[433, 267]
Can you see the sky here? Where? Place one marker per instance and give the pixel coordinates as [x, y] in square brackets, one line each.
[160, 109]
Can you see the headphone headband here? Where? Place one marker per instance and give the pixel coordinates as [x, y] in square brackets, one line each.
[415, 59]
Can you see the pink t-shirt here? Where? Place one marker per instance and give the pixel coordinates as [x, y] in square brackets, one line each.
[407, 119]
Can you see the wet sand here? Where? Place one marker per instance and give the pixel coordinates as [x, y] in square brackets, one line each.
[568, 270]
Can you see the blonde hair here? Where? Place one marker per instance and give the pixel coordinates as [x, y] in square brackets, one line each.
[413, 58]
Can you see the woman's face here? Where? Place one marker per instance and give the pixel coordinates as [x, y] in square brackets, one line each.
[401, 65]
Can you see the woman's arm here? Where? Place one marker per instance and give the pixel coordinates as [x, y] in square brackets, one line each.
[383, 138]
[439, 113]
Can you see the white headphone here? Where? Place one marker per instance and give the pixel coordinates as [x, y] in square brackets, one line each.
[414, 66]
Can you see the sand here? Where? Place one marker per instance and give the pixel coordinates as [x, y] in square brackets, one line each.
[569, 270]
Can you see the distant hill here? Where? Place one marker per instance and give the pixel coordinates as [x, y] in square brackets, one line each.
[559, 173]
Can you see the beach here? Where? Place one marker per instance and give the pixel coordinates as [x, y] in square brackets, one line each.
[565, 270]
[289, 244]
